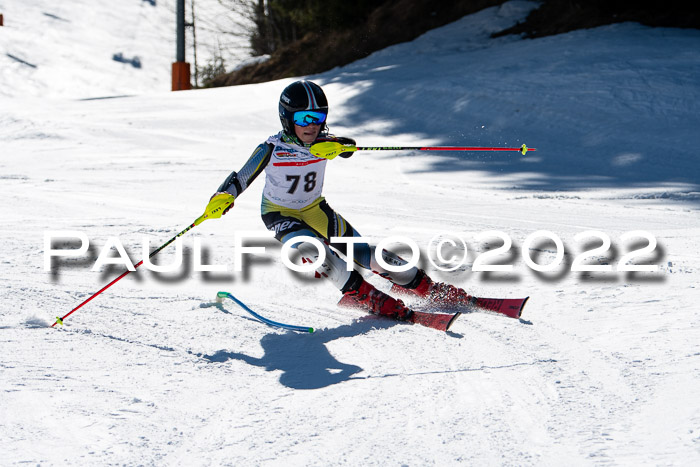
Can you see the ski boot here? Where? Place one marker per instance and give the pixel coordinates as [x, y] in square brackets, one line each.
[436, 292]
[361, 294]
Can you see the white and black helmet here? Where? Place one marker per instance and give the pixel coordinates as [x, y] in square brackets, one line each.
[298, 96]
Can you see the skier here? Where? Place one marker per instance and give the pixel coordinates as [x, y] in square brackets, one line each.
[293, 205]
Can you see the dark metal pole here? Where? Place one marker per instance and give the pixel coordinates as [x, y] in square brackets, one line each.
[194, 46]
[181, 69]
[180, 55]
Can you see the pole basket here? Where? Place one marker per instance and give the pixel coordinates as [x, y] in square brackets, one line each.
[181, 76]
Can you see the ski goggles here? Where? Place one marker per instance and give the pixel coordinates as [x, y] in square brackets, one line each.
[309, 117]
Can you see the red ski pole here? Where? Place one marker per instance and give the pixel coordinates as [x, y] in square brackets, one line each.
[330, 149]
[522, 149]
[214, 210]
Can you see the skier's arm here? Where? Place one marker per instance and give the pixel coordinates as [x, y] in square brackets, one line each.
[237, 182]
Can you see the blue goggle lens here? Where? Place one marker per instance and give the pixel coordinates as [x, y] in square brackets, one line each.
[308, 117]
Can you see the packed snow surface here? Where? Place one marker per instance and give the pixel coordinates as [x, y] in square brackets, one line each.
[96, 48]
[602, 369]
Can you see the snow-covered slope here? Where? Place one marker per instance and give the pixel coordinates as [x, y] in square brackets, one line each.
[602, 369]
[97, 48]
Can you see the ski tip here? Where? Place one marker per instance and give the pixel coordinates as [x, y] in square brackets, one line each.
[454, 318]
[520, 311]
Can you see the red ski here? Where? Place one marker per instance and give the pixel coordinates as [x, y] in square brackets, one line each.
[439, 321]
[442, 295]
[511, 307]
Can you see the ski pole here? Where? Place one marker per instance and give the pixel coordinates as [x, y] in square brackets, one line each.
[220, 298]
[330, 149]
[214, 210]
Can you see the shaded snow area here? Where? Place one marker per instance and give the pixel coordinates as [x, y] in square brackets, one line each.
[97, 48]
[602, 368]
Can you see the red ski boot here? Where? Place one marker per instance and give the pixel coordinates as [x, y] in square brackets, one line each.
[361, 294]
[437, 292]
[366, 297]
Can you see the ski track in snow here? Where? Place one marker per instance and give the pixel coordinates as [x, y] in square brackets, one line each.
[602, 369]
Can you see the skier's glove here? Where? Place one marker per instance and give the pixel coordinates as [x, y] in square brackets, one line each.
[228, 208]
[341, 140]
[349, 142]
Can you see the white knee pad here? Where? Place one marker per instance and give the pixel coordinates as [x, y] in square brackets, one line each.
[400, 278]
[334, 268]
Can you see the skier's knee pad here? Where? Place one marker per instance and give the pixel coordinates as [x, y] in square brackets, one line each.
[400, 278]
[334, 268]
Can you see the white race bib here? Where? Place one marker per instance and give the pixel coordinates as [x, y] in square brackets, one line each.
[294, 177]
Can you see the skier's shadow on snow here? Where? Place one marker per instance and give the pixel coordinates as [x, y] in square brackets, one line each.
[304, 359]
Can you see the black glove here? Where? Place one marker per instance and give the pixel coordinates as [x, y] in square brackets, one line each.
[346, 142]
[341, 140]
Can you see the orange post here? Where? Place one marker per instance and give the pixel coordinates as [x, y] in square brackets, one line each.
[181, 76]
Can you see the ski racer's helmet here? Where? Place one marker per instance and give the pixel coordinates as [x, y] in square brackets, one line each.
[298, 96]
